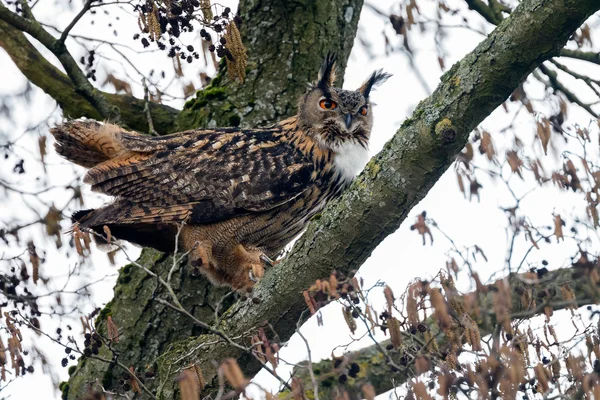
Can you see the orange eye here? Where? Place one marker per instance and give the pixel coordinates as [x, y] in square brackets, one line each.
[328, 104]
[364, 110]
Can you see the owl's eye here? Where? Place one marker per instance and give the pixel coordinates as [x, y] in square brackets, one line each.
[364, 110]
[328, 104]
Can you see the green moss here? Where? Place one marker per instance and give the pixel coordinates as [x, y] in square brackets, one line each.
[124, 279]
[64, 388]
[106, 311]
[372, 168]
[213, 93]
[199, 104]
[407, 122]
[72, 369]
[188, 104]
[216, 81]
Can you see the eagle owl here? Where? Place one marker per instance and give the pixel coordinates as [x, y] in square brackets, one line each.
[232, 198]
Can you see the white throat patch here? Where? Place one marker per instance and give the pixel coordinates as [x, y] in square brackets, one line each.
[350, 159]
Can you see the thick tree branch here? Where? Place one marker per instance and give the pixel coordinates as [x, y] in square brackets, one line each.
[58, 48]
[57, 85]
[401, 175]
[546, 291]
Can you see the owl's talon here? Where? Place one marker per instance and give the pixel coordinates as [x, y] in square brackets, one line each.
[256, 272]
[252, 277]
[264, 258]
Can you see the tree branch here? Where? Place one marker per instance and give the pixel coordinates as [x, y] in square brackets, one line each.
[491, 15]
[57, 85]
[581, 55]
[558, 86]
[546, 291]
[81, 13]
[58, 48]
[402, 174]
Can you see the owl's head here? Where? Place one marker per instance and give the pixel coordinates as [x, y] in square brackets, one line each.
[335, 116]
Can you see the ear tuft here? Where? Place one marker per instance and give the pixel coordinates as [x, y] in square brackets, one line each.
[376, 79]
[327, 72]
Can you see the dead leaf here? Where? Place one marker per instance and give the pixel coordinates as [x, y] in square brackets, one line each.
[487, 145]
[113, 331]
[544, 133]
[515, 162]
[188, 385]
[421, 227]
[558, 224]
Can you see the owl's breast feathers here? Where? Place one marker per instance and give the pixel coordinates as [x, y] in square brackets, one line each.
[202, 177]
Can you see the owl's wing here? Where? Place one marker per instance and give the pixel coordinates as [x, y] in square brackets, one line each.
[202, 176]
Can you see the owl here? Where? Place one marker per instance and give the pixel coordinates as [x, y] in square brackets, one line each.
[231, 198]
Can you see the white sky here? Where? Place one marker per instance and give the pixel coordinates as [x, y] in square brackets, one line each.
[398, 260]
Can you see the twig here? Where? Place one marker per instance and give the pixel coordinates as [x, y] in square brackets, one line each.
[491, 15]
[310, 364]
[589, 81]
[85, 9]
[151, 130]
[557, 85]
[581, 55]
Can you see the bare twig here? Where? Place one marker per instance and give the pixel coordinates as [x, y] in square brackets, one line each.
[557, 85]
[151, 130]
[81, 13]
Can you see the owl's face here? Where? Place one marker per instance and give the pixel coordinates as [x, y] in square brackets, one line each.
[335, 116]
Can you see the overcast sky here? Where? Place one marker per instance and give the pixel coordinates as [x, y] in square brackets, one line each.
[398, 260]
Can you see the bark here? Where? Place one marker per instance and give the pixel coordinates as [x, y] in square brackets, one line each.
[546, 292]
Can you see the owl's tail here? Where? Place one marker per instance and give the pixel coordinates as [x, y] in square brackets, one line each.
[87, 143]
[161, 236]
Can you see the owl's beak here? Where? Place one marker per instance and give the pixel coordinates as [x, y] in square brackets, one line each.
[348, 121]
